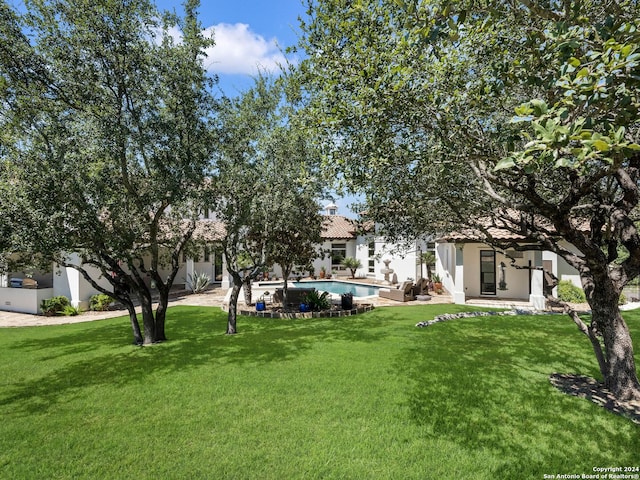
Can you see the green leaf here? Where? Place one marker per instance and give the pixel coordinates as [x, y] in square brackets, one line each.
[523, 110]
[540, 106]
[601, 145]
[563, 162]
[584, 72]
[505, 163]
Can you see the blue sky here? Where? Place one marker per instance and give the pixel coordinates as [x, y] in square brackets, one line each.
[249, 34]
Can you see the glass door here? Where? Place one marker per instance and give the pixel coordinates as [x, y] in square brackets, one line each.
[487, 272]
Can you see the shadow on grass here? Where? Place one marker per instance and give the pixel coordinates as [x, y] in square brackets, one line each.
[95, 354]
[483, 383]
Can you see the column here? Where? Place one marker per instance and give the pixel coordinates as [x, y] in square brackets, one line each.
[536, 297]
[190, 269]
[459, 296]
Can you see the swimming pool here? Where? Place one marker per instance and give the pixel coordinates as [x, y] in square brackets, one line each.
[337, 287]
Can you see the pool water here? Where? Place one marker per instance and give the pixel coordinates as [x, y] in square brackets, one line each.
[340, 288]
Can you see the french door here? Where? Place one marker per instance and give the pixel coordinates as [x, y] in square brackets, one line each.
[487, 272]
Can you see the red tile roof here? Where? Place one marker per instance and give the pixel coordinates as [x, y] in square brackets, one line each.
[209, 231]
[338, 227]
[509, 225]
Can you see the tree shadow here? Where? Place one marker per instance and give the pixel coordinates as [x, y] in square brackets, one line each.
[483, 383]
[94, 354]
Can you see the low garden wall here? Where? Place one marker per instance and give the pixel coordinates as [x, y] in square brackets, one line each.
[23, 300]
[362, 308]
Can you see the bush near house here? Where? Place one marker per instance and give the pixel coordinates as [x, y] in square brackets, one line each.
[351, 264]
[568, 292]
[55, 305]
[317, 301]
[100, 302]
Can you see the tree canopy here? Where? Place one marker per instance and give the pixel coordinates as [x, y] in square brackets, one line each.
[107, 138]
[521, 115]
[267, 188]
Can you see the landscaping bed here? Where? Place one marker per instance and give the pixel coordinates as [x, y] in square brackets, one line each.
[335, 311]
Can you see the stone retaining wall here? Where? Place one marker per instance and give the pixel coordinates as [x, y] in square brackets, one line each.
[325, 314]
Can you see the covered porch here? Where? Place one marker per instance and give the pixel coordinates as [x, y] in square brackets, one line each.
[476, 274]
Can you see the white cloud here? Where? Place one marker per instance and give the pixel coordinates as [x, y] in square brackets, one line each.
[239, 50]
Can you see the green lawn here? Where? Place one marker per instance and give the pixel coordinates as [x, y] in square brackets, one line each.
[369, 397]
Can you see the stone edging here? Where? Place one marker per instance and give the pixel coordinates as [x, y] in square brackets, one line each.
[454, 316]
[326, 314]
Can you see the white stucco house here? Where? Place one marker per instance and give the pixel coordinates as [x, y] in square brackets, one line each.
[469, 268]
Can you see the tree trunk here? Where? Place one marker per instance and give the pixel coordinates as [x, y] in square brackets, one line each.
[286, 271]
[148, 321]
[246, 281]
[619, 373]
[135, 326]
[161, 315]
[233, 309]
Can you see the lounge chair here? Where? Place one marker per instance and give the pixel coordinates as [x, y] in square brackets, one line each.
[403, 293]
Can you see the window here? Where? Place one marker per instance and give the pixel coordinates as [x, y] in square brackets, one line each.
[338, 253]
[372, 259]
[487, 272]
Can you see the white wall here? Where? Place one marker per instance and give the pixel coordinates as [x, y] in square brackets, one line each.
[403, 260]
[517, 280]
[69, 282]
[23, 300]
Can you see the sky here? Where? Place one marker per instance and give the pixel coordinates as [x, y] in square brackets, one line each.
[250, 35]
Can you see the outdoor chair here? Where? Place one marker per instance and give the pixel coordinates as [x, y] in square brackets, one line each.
[421, 287]
[403, 293]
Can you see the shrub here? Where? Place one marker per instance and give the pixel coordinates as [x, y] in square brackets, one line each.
[54, 305]
[70, 311]
[317, 301]
[622, 300]
[568, 292]
[100, 302]
[199, 282]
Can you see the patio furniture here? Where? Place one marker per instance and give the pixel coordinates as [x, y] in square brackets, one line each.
[421, 286]
[29, 283]
[403, 293]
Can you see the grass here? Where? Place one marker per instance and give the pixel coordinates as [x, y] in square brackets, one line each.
[369, 397]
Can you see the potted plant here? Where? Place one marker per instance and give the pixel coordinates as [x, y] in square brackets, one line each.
[323, 272]
[261, 305]
[437, 283]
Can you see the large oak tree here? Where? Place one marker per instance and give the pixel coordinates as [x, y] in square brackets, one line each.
[106, 141]
[523, 114]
